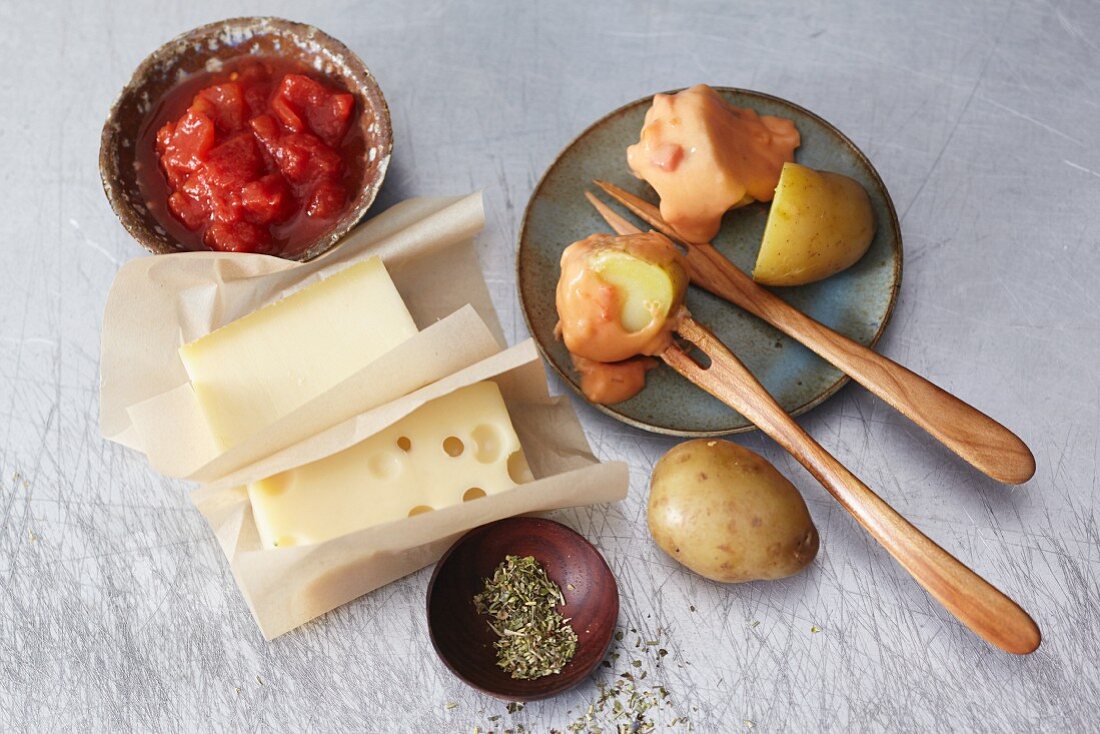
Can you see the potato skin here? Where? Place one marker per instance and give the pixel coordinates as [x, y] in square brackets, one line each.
[729, 515]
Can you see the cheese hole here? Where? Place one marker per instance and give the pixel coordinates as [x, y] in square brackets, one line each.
[404, 444]
[453, 446]
[473, 493]
[273, 486]
[383, 465]
[518, 470]
[420, 510]
[488, 443]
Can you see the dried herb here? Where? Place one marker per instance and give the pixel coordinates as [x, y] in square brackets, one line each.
[623, 705]
[521, 600]
[625, 709]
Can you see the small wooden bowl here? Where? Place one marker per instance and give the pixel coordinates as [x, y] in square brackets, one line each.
[203, 49]
[462, 637]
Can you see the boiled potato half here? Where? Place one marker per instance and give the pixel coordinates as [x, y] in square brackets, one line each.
[729, 515]
[648, 289]
[820, 223]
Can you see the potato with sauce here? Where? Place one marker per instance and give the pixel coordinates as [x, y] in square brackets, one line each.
[704, 156]
[729, 515]
[820, 223]
[618, 299]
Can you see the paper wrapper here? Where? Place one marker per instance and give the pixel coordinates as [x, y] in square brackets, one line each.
[146, 402]
[287, 587]
[156, 304]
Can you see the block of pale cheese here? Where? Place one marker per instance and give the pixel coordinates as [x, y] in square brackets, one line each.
[456, 448]
[259, 368]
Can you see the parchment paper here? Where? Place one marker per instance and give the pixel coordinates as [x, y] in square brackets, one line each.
[158, 303]
[285, 588]
[146, 402]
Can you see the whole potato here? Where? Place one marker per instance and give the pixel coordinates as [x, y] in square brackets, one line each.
[820, 223]
[729, 515]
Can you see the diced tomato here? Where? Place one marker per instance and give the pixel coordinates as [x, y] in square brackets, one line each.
[301, 102]
[326, 201]
[286, 113]
[331, 120]
[267, 200]
[164, 137]
[226, 206]
[188, 210]
[266, 129]
[267, 132]
[174, 174]
[237, 236]
[234, 163]
[225, 104]
[254, 76]
[303, 158]
[256, 96]
[188, 144]
[196, 185]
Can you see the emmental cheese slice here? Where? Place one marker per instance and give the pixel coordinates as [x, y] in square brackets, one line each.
[456, 448]
[259, 368]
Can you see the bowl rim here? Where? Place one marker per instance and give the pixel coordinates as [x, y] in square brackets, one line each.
[109, 142]
[810, 404]
[552, 690]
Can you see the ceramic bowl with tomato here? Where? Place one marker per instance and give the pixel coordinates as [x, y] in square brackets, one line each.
[252, 135]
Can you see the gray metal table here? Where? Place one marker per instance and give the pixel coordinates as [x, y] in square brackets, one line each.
[116, 607]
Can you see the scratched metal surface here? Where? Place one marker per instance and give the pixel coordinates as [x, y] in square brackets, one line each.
[116, 608]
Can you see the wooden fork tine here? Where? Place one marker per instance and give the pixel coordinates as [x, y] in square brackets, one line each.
[617, 222]
[648, 213]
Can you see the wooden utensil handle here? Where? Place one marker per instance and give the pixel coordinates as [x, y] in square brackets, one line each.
[973, 600]
[974, 436]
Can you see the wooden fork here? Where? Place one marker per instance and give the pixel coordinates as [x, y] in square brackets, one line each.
[975, 437]
[973, 600]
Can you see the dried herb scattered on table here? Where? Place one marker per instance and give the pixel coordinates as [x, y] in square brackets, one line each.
[624, 704]
[521, 600]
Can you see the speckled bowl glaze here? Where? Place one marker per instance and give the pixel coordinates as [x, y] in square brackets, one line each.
[857, 302]
[462, 637]
[204, 49]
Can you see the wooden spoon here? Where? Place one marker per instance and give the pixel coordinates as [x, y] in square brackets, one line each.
[973, 600]
[971, 434]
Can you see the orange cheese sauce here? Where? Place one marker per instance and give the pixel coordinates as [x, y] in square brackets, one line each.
[590, 323]
[612, 382]
[703, 156]
[589, 308]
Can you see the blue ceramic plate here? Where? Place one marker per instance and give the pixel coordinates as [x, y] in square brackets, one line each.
[856, 302]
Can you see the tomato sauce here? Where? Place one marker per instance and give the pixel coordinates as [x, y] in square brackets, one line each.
[261, 156]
